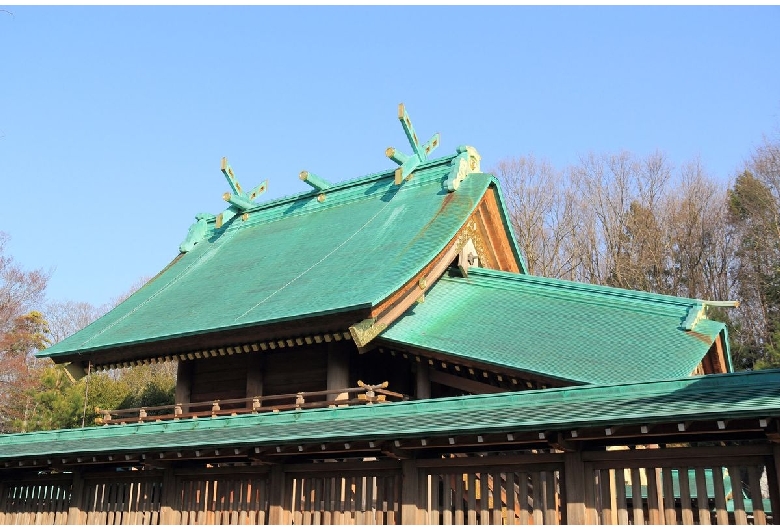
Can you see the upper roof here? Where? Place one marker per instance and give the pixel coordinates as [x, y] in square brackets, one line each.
[568, 331]
[712, 397]
[294, 257]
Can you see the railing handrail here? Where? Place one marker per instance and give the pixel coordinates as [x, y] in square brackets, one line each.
[259, 404]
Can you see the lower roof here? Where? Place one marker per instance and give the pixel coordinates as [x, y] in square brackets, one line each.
[569, 331]
[713, 397]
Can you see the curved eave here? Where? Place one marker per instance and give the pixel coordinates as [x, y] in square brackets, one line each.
[296, 260]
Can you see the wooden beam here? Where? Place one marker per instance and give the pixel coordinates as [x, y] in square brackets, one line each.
[396, 304]
[529, 380]
[574, 476]
[683, 453]
[461, 383]
[394, 450]
[720, 364]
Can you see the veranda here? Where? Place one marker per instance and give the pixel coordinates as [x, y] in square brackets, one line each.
[692, 451]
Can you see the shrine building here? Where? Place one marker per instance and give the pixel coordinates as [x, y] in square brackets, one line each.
[373, 351]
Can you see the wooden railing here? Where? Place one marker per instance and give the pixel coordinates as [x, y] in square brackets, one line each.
[363, 394]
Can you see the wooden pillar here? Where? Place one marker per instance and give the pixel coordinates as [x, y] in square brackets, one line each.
[183, 384]
[254, 376]
[574, 481]
[3, 502]
[277, 495]
[170, 505]
[423, 382]
[338, 370]
[76, 512]
[410, 494]
[773, 478]
[591, 514]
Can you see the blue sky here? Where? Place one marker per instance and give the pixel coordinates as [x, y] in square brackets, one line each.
[113, 120]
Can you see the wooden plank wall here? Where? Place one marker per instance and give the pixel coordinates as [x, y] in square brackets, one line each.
[218, 378]
[123, 498]
[718, 491]
[702, 485]
[496, 495]
[236, 498]
[42, 500]
[350, 498]
[296, 370]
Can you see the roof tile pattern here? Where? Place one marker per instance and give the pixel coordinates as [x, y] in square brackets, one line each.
[295, 257]
[565, 330]
[714, 397]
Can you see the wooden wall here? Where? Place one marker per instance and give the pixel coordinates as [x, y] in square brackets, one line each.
[686, 485]
[301, 369]
[218, 377]
[287, 371]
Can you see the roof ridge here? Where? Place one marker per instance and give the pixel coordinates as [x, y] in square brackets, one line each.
[428, 175]
[593, 291]
[350, 183]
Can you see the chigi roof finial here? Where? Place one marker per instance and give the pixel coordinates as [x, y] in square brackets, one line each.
[239, 200]
[410, 163]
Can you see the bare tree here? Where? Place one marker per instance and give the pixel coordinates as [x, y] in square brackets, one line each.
[20, 290]
[541, 208]
[619, 197]
[66, 318]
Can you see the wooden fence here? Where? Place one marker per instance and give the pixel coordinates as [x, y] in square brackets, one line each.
[36, 500]
[703, 485]
[512, 493]
[122, 498]
[709, 486]
[344, 495]
[220, 496]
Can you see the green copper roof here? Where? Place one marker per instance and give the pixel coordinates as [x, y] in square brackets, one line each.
[565, 330]
[295, 257]
[714, 397]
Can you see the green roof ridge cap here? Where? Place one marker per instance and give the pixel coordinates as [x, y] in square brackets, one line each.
[598, 294]
[433, 177]
[587, 287]
[346, 184]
